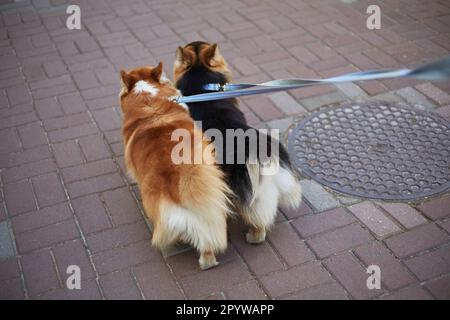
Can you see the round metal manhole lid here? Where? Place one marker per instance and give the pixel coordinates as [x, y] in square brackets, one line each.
[374, 150]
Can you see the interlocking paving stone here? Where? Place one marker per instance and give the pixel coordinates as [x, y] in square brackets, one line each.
[295, 279]
[436, 208]
[329, 291]
[89, 291]
[32, 135]
[87, 170]
[405, 214]
[223, 276]
[26, 156]
[374, 219]
[440, 288]
[66, 121]
[93, 185]
[157, 284]
[107, 119]
[71, 132]
[286, 103]
[287, 243]
[394, 274]
[261, 258]
[434, 93]
[415, 97]
[10, 141]
[445, 224]
[444, 111]
[245, 66]
[123, 257]
[19, 197]
[46, 236]
[91, 214]
[338, 240]
[41, 218]
[291, 213]
[344, 200]
[351, 90]
[186, 264]
[121, 206]
[412, 293]
[48, 108]
[46, 182]
[11, 290]
[2, 213]
[245, 291]
[309, 93]
[9, 269]
[17, 119]
[120, 285]
[73, 253]
[67, 153]
[72, 103]
[317, 223]
[264, 108]
[431, 264]
[351, 275]
[416, 240]
[44, 278]
[94, 148]
[29, 170]
[281, 124]
[316, 102]
[388, 96]
[118, 237]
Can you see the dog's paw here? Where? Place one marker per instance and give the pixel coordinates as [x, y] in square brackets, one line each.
[207, 261]
[255, 236]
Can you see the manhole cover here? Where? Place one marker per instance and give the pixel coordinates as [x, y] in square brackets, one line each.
[374, 150]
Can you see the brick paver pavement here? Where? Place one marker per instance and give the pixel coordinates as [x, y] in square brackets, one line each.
[66, 200]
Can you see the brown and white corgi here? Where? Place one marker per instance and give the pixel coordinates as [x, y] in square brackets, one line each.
[256, 196]
[185, 202]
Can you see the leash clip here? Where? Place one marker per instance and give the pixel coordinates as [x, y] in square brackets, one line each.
[175, 99]
[215, 87]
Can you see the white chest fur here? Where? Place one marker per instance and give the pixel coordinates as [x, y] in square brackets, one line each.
[144, 86]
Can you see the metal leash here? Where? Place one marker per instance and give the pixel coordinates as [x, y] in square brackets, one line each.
[438, 70]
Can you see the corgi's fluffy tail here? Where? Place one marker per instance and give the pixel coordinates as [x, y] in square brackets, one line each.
[273, 183]
[200, 217]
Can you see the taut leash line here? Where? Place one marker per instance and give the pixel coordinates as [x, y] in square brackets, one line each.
[435, 71]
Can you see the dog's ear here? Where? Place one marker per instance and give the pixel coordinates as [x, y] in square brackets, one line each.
[182, 58]
[179, 55]
[157, 72]
[126, 80]
[212, 56]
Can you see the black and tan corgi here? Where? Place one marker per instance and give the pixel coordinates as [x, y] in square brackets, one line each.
[256, 196]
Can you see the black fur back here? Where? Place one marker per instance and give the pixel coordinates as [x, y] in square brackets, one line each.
[222, 115]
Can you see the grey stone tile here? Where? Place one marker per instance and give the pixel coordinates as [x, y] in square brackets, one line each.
[317, 196]
[415, 97]
[351, 90]
[316, 102]
[6, 241]
[280, 124]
